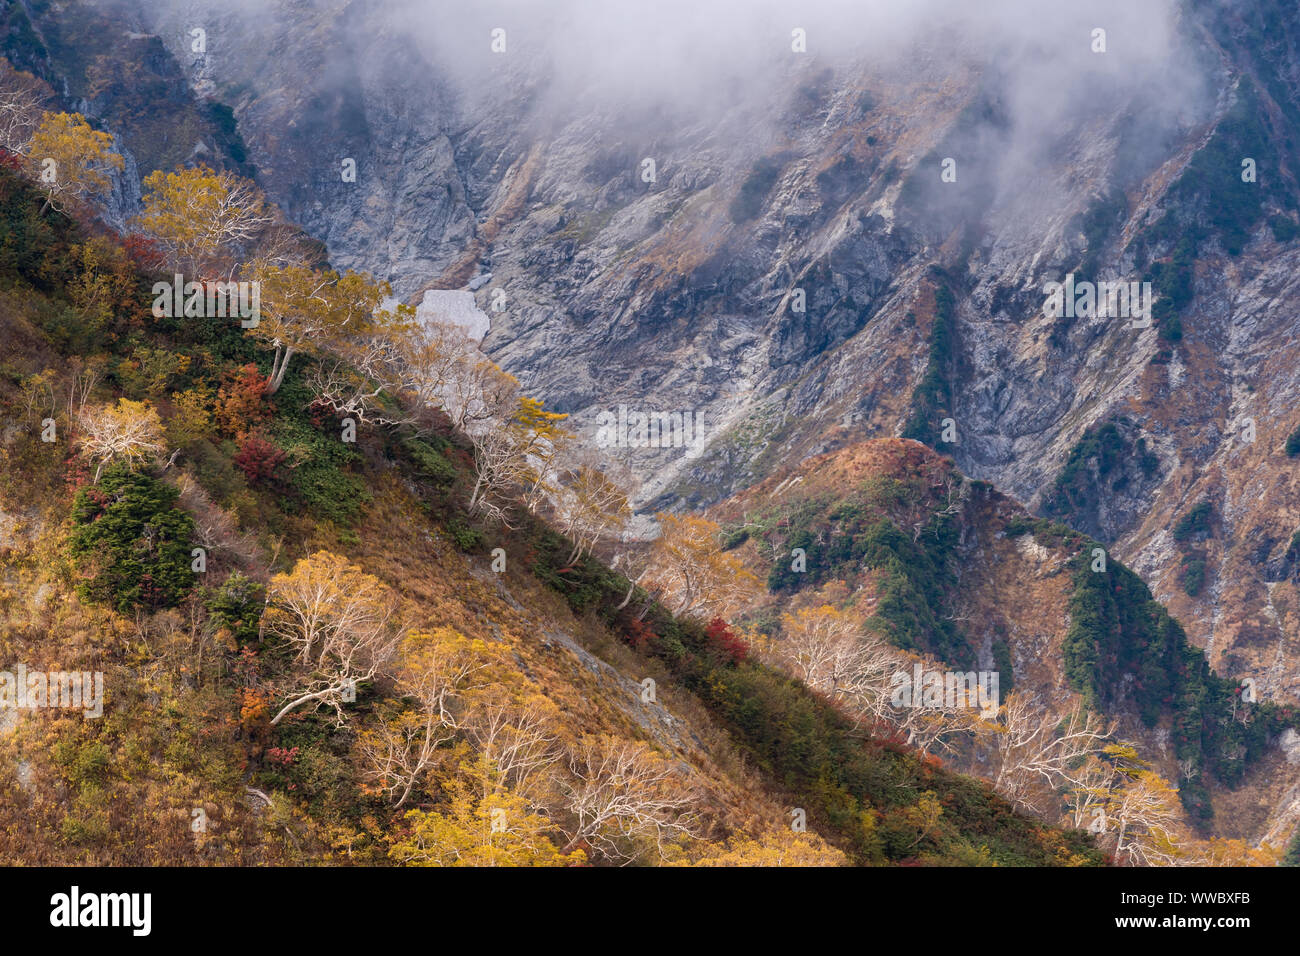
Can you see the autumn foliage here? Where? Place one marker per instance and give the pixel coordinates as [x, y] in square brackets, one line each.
[725, 641]
[383, 700]
[241, 401]
[144, 252]
[258, 458]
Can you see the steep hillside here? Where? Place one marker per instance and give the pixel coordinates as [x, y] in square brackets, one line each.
[946, 570]
[849, 243]
[526, 714]
[775, 276]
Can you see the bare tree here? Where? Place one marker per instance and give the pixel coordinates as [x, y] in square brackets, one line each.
[1087, 800]
[506, 455]
[435, 670]
[128, 431]
[825, 649]
[957, 491]
[590, 506]
[432, 355]
[448, 371]
[623, 792]
[1040, 751]
[516, 735]
[215, 529]
[352, 382]
[338, 621]
[81, 386]
[23, 99]
[498, 463]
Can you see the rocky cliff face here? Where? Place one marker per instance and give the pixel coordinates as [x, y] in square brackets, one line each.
[801, 268]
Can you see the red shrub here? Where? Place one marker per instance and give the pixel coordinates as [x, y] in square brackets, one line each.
[640, 635]
[144, 252]
[884, 734]
[318, 411]
[281, 757]
[726, 641]
[258, 458]
[76, 472]
[241, 401]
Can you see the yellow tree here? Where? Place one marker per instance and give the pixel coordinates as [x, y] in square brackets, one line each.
[497, 829]
[309, 311]
[776, 847]
[1146, 816]
[128, 431]
[924, 815]
[199, 216]
[433, 669]
[690, 573]
[337, 622]
[1219, 851]
[542, 485]
[506, 453]
[1134, 810]
[70, 161]
[536, 432]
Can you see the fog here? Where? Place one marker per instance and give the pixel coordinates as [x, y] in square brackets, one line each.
[671, 63]
[697, 56]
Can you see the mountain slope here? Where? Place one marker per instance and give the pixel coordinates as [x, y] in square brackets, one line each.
[951, 570]
[681, 294]
[188, 764]
[801, 274]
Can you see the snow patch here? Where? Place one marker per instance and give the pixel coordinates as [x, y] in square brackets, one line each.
[1290, 744]
[454, 308]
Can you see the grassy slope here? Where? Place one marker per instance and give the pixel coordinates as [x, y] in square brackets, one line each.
[174, 737]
